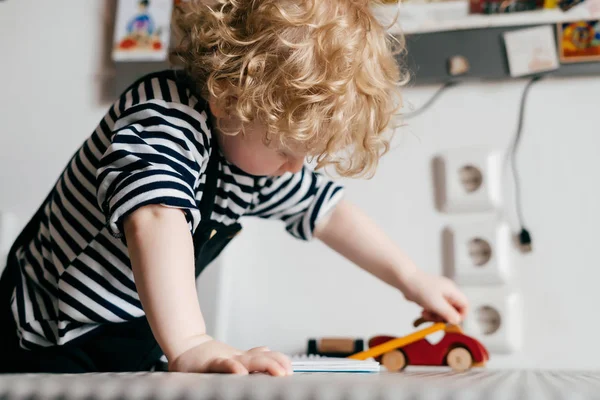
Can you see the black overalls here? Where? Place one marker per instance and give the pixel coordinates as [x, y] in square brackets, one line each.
[113, 347]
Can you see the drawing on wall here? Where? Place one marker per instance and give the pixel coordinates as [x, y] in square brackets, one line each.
[579, 41]
[142, 30]
[531, 50]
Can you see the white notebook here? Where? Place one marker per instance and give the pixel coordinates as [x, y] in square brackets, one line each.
[305, 363]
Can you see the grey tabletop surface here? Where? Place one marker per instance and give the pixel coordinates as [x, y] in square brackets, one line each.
[433, 384]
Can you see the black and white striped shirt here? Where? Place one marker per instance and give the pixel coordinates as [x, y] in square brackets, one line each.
[152, 147]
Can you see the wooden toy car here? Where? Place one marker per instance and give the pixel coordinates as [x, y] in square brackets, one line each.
[335, 347]
[456, 350]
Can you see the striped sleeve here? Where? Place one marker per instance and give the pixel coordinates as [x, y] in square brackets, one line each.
[155, 157]
[300, 200]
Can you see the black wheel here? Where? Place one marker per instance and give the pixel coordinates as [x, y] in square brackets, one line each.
[312, 347]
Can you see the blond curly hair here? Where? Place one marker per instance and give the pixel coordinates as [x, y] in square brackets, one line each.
[322, 75]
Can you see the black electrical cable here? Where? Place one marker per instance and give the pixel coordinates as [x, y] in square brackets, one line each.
[524, 235]
[432, 100]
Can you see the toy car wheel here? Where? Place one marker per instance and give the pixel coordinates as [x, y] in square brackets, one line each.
[459, 359]
[394, 361]
[312, 347]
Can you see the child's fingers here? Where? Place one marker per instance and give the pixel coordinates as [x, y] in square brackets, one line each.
[460, 302]
[261, 349]
[431, 316]
[447, 312]
[227, 366]
[262, 363]
[283, 360]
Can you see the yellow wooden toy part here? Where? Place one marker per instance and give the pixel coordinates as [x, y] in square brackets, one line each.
[399, 342]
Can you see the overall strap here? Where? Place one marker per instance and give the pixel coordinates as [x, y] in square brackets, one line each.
[207, 203]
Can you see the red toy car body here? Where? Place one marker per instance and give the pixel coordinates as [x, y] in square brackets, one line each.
[423, 352]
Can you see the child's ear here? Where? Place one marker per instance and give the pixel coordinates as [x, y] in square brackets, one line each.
[216, 109]
[220, 110]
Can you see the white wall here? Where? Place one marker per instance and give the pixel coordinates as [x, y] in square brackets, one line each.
[51, 65]
[281, 300]
[51, 100]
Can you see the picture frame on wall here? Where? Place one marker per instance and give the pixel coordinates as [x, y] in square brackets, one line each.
[142, 30]
[579, 41]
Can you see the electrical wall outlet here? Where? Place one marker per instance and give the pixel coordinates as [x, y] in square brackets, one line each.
[468, 180]
[478, 253]
[495, 319]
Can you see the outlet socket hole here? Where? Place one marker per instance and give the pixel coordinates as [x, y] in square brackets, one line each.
[471, 178]
[480, 251]
[488, 320]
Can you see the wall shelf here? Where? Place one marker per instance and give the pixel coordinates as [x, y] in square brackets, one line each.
[435, 32]
[428, 54]
[418, 18]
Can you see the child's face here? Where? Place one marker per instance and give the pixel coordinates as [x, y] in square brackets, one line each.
[250, 153]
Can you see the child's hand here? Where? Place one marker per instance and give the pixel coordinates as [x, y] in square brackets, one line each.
[216, 357]
[439, 296]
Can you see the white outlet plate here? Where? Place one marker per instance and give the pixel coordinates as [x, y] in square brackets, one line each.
[507, 338]
[452, 167]
[478, 253]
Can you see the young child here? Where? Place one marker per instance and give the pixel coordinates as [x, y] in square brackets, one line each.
[103, 276]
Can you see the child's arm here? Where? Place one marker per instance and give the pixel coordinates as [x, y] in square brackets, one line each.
[354, 235]
[161, 252]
